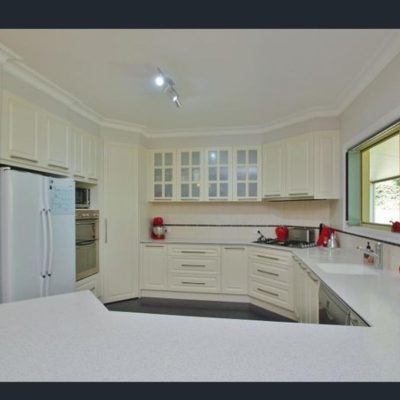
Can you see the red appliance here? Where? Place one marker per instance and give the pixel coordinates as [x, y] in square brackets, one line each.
[158, 229]
[281, 232]
[324, 234]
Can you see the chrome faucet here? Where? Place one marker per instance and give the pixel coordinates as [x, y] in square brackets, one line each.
[378, 253]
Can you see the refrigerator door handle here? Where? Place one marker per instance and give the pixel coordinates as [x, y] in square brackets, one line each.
[44, 244]
[50, 243]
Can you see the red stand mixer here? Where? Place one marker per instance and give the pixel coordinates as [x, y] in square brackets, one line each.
[158, 229]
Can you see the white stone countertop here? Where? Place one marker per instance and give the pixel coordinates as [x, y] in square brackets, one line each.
[73, 337]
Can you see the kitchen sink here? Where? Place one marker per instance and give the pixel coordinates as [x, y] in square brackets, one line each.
[350, 269]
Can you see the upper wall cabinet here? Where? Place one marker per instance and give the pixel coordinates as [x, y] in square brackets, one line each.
[20, 130]
[163, 171]
[247, 173]
[58, 143]
[190, 175]
[300, 166]
[218, 174]
[33, 138]
[304, 166]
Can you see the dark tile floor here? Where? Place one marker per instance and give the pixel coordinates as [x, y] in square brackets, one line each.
[196, 308]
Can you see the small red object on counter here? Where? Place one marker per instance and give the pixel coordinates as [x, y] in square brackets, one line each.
[325, 233]
[395, 226]
[281, 232]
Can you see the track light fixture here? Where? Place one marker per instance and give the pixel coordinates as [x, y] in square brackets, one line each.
[167, 84]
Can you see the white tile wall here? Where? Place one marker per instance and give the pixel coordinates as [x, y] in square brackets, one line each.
[309, 213]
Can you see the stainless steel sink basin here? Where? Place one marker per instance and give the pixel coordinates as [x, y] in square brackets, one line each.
[349, 269]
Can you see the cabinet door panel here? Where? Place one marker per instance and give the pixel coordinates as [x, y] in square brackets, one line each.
[77, 153]
[57, 143]
[120, 250]
[162, 170]
[234, 270]
[273, 169]
[300, 166]
[153, 267]
[22, 130]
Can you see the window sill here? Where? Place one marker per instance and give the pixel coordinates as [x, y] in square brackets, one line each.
[374, 234]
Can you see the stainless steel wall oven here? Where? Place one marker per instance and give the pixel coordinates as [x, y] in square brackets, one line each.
[87, 243]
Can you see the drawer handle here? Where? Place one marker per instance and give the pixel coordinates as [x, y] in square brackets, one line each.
[193, 265]
[193, 252]
[268, 292]
[154, 245]
[234, 248]
[272, 195]
[192, 283]
[299, 194]
[269, 273]
[269, 257]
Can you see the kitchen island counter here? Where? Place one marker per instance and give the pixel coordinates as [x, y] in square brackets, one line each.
[73, 337]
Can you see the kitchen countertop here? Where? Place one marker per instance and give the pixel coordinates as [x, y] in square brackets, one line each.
[73, 337]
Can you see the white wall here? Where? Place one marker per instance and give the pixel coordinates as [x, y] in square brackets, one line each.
[374, 108]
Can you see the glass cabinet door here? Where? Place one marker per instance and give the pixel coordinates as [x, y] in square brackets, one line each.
[190, 174]
[247, 167]
[163, 175]
[218, 174]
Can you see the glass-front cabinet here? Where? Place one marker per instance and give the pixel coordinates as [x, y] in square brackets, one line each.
[247, 173]
[218, 167]
[190, 174]
[163, 170]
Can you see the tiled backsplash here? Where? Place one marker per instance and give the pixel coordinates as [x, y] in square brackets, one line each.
[299, 213]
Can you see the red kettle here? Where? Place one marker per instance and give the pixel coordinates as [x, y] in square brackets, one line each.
[282, 232]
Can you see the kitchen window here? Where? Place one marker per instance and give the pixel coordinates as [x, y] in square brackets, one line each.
[373, 180]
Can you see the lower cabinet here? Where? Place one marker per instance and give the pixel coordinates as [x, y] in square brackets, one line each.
[153, 271]
[91, 283]
[234, 269]
[271, 277]
[306, 293]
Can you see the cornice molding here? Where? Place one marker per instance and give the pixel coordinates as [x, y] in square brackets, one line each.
[13, 64]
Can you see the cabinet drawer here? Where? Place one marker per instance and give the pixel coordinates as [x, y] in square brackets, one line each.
[184, 283]
[271, 294]
[271, 256]
[195, 264]
[193, 251]
[270, 272]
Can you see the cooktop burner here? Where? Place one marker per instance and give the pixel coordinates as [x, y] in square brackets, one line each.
[286, 243]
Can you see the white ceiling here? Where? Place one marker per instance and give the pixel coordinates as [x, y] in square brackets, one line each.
[226, 78]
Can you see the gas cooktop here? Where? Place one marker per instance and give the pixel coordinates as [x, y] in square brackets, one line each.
[286, 243]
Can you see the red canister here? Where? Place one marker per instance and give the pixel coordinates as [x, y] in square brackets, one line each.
[282, 232]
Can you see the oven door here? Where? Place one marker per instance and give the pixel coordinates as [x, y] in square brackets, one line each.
[86, 259]
[86, 230]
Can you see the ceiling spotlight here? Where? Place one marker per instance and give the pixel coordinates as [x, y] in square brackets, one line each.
[159, 80]
[167, 84]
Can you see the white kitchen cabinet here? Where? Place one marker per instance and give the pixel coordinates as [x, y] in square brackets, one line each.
[190, 174]
[300, 166]
[58, 143]
[91, 145]
[274, 158]
[163, 171]
[326, 165]
[271, 278]
[153, 266]
[77, 161]
[120, 221]
[91, 283]
[247, 173]
[218, 173]
[306, 294]
[234, 269]
[20, 130]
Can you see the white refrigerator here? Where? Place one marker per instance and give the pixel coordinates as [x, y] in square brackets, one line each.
[37, 235]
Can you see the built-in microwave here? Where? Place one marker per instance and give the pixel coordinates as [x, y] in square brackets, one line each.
[82, 198]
